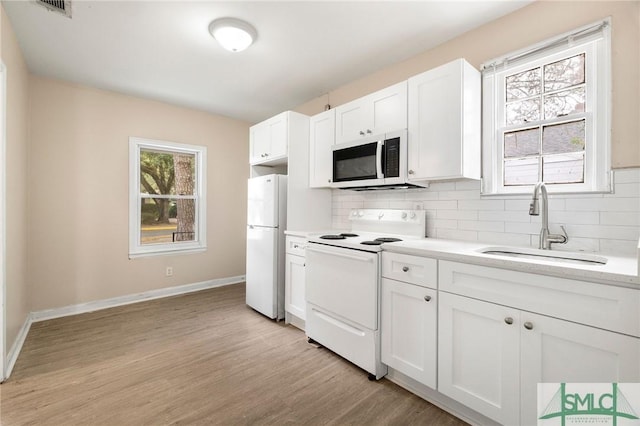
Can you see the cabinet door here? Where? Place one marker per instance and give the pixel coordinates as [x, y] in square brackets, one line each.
[380, 112]
[478, 356]
[259, 142]
[408, 332]
[444, 123]
[294, 286]
[321, 138]
[557, 351]
[352, 120]
[279, 136]
[388, 109]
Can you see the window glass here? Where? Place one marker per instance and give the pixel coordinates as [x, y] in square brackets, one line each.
[565, 73]
[522, 142]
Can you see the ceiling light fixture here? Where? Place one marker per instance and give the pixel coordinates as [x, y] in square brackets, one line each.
[233, 34]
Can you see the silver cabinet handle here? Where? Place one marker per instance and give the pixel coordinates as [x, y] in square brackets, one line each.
[369, 131]
[508, 320]
[410, 172]
[528, 325]
[405, 269]
[427, 298]
[361, 133]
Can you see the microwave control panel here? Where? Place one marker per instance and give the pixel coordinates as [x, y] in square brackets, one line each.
[392, 158]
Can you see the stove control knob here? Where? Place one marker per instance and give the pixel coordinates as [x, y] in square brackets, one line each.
[413, 215]
[360, 213]
[380, 215]
[404, 215]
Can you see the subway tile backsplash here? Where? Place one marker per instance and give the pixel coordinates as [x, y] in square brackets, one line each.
[605, 223]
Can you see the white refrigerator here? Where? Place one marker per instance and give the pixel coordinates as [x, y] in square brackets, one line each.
[266, 223]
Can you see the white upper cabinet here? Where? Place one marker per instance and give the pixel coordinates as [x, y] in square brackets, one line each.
[268, 141]
[374, 114]
[444, 123]
[322, 136]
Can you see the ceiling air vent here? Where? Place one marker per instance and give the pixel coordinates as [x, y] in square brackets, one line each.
[60, 6]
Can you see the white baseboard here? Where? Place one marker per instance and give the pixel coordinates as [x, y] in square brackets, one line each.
[16, 348]
[97, 305]
[289, 318]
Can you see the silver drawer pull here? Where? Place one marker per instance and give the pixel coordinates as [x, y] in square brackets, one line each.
[508, 320]
[528, 325]
[427, 298]
[405, 269]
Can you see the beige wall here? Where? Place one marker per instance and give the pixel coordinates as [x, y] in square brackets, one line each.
[17, 301]
[529, 25]
[78, 194]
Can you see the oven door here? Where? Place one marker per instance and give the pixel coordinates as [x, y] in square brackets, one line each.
[344, 282]
[358, 163]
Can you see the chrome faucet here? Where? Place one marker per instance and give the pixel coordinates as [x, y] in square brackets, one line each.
[546, 238]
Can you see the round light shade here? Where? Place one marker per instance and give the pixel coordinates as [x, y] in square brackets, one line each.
[233, 34]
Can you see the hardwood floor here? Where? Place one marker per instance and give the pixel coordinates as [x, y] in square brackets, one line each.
[202, 358]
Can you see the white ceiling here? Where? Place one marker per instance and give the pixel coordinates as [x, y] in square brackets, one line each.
[162, 49]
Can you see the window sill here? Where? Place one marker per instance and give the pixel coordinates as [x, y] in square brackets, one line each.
[137, 255]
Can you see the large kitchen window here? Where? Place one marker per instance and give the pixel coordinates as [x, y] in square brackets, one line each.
[546, 116]
[166, 197]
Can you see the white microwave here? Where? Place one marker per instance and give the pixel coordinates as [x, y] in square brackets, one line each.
[375, 162]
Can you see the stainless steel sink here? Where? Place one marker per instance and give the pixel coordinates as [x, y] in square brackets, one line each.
[546, 255]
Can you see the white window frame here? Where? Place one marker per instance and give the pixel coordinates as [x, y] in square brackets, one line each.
[136, 249]
[597, 46]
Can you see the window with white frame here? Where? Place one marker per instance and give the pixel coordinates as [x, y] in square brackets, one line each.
[546, 116]
[166, 197]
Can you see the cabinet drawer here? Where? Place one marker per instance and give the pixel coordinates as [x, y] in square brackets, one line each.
[296, 245]
[599, 305]
[417, 270]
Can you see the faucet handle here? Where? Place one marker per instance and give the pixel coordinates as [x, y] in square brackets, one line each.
[565, 237]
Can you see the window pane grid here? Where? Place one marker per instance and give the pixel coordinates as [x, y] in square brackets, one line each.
[532, 95]
[169, 197]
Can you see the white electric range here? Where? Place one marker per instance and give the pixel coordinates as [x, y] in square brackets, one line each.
[343, 283]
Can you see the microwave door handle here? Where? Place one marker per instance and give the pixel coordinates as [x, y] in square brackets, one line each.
[379, 159]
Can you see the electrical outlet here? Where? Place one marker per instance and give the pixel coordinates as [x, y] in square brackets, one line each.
[418, 205]
[169, 271]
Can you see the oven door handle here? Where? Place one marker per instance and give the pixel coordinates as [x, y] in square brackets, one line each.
[346, 256]
[379, 159]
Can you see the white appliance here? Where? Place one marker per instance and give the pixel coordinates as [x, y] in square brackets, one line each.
[343, 284]
[266, 223]
[374, 162]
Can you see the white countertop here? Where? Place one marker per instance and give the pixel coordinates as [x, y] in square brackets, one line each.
[620, 271]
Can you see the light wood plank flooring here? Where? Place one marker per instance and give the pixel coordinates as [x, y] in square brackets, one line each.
[202, 358]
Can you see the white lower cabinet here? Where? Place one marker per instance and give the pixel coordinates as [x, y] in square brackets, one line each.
[556, 351]
[492, 357]
[479, 357]
[294, 284]
[409, 330]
